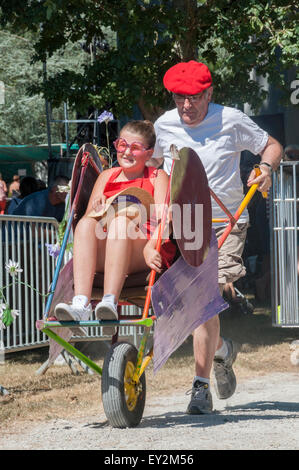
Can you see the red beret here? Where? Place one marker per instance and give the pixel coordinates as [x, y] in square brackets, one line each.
[187, 78]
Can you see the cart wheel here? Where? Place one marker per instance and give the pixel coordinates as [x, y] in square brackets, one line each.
[123, 400]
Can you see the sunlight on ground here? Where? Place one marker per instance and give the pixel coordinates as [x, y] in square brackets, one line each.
[60, 394]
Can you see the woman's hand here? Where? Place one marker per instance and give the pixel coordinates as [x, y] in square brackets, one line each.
[98, 203]
[152, 258]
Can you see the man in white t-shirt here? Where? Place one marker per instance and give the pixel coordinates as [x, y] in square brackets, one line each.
[218, 134]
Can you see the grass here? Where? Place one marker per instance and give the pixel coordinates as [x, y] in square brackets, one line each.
[60, 394]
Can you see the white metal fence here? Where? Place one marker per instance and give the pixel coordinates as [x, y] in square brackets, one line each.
[285, 231]
[24, 240]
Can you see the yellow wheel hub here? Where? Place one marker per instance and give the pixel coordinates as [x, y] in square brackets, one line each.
[131, 388]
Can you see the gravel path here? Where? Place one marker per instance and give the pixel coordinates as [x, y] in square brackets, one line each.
[262, 414]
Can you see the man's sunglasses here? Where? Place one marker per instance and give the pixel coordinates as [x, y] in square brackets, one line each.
[191, 98]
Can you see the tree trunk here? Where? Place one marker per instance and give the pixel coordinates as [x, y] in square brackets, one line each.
[151, 113]
[186, 46]
[188, 43]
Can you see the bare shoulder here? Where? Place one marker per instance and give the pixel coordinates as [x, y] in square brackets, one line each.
[105, 174]
[162, 175]
[161, 181]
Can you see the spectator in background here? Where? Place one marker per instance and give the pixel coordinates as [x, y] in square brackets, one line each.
[14, 187]
[41, 185]
[46, 203]
[3, 194]
[28, 185]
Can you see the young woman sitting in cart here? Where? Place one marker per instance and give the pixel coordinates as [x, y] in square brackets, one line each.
[110, 245]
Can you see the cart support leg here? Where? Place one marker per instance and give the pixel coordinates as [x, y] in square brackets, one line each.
[137, 373]
[68, 347]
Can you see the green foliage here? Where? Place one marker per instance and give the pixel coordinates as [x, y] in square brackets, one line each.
[16, 123]
[22, 116]
[7, 318]
[231, 37]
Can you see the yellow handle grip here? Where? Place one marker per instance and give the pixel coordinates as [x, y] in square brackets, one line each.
[258, 173]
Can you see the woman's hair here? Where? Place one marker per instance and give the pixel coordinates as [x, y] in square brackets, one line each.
[143, 128]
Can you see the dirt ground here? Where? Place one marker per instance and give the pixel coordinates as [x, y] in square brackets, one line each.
[263, 414]
[60, 410]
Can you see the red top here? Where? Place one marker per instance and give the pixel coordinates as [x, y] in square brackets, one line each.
[147, 182]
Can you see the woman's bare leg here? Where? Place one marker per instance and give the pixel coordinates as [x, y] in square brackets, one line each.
[87, 248]
[123, 255]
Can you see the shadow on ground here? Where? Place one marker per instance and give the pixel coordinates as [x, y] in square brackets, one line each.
[254, 330]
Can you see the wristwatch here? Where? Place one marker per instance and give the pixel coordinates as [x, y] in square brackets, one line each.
[268, 165]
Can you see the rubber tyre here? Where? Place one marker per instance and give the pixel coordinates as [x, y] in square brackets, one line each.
[113, 387]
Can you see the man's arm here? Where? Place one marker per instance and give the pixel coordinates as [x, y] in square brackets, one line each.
[272, 155]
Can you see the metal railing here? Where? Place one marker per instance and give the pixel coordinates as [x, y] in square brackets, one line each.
[24, 241]
[284, 243]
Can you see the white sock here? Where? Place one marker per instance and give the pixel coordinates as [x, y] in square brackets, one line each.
[80, 301]
[201, 379]
[110, 299]
[221, 353]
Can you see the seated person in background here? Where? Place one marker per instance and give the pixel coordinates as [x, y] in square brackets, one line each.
[121, 251]
[14, 187]
[47, 203]
[3, 195]
[41, 185]
[28, 185]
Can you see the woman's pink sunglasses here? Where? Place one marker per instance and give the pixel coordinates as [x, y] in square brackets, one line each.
[136, 148]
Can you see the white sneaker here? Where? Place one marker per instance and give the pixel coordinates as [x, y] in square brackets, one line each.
[66, 312]
[59, 361]
[107, 311]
